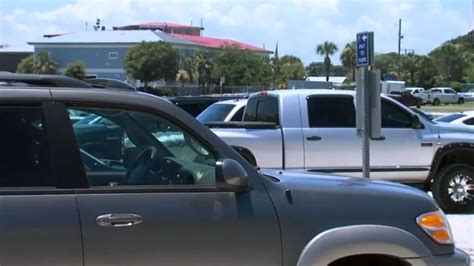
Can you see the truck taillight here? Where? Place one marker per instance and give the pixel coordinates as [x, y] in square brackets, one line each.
[263, 93]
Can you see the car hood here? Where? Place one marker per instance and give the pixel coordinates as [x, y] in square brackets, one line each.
[320, 181]
[310, 204]
[444, 127]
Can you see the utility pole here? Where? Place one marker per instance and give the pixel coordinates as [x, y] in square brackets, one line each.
[400, 37]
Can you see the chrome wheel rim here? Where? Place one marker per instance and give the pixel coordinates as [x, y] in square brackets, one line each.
[460, 189]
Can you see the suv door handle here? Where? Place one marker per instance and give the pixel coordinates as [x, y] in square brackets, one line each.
[313, 138]
[119, 219]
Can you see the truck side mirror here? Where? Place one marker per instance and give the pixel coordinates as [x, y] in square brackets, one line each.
[415, 122]
[230, 175]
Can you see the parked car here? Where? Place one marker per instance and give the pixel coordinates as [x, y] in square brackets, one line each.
[194, 203]
[437, 96]
[110, 83]
[406, 98]
[230, 110]
[418, 92]
[461, 118]
[194, 105]
[469, 95]
[314, 131]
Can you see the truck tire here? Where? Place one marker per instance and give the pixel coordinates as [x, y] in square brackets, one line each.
[452, 188]
[461, 101]
[436, 101]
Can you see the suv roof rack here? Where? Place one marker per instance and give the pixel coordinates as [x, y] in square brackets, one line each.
[41, 80]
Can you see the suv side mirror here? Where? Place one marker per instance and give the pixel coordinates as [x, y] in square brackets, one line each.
[415, 122]
[231, 175]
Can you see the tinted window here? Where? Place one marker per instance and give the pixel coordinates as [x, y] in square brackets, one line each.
[142, 149]
[262, 109]
[394, 116]
[215, 112]
[24, 153]
[331, 111]
[450, 118]
[469, 121]
[238, 115]
[436, 91]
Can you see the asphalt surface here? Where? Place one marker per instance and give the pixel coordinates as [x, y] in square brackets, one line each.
[463, 232]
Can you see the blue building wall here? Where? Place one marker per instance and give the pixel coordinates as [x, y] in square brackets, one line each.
[96, 58]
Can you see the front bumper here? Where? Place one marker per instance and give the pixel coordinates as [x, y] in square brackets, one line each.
[459, 258]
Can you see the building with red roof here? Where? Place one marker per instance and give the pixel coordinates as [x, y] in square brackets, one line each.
[103, 51]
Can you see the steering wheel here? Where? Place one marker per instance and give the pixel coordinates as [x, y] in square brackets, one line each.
[146, 161]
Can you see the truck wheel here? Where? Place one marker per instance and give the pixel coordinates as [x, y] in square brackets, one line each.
[436, 102]
[453, 188]
[460, 101]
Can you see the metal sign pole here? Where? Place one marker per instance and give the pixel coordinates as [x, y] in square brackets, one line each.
[366, 124]
[364, 42]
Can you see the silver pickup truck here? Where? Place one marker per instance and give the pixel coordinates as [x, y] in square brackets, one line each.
[437, 96]
[314, 131]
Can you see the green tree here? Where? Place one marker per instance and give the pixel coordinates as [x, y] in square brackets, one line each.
[44, 64]
[242, 68]
[187, 65]
[426, 73]
[410, 66]
[326, 49]
[315, 69]
[76, 70]
[151, 61]
[450, 60]
[291, 68]
[348, 58]
[204, 67]
[26, 65]
[386, 63]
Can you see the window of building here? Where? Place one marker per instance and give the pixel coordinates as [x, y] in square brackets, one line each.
[331, 111]
[113, 55]
[24, 156]
[134, 148]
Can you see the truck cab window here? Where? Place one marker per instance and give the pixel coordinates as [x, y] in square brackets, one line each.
[262, 109]
[335, 111]
[394, 117]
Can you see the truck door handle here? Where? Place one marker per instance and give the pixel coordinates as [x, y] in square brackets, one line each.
[313, 138]
[119, 220]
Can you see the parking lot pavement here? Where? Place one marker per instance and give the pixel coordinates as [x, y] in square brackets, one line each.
[463, 232]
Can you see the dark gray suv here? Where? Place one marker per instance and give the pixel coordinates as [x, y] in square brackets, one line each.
[149, 185]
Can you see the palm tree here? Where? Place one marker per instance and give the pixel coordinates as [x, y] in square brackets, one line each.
[204, 67]
[348, 58]
[327, 49]
[44, 64]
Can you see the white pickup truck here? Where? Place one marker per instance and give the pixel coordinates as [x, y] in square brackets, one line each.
[314, 131]
[439, 95]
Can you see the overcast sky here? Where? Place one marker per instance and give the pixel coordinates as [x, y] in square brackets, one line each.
[297, 25]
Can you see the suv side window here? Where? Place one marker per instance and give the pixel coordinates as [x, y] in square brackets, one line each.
[335, 111]
[262, 109]
[394, 117]
[141, 149]
[24, 153]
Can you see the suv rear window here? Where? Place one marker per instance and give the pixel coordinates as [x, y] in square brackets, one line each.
[24, 156]
[262, 109]
[450, 118]
[330, 111]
